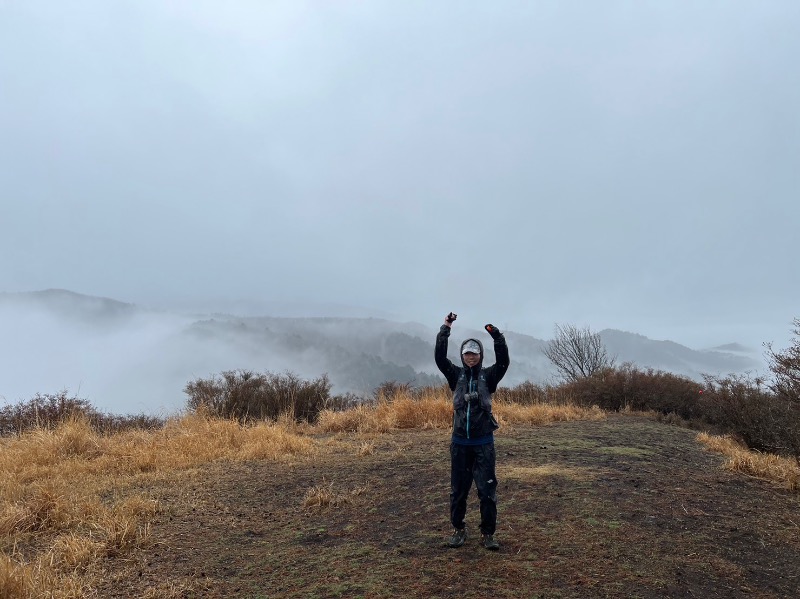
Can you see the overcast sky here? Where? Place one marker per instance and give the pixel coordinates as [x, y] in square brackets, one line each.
[632, 165]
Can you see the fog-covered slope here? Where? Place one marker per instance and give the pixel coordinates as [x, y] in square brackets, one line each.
[125, 358]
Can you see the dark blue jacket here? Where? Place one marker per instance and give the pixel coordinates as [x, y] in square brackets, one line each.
[473, 422]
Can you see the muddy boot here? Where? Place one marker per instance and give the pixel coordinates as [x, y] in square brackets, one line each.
[458, 538]
[490, 542]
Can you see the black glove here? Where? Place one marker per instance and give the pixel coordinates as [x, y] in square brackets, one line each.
[493, 331]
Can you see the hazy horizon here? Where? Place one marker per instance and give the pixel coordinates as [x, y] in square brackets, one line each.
[129, 358]
[752, 335]
[620, 165]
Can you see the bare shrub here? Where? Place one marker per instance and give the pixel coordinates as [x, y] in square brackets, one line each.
[344, 401]
[49, 410]
[577, 352]
[526, 393]
[117, 423]
[390, 390]
[630, 388]
[245, 396]
[785, 365]
[43, 411]
[746, 408]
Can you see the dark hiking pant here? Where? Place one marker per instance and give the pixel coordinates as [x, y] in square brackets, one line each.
[468, 463]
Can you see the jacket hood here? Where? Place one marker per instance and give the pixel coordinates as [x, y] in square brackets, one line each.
[461, 349]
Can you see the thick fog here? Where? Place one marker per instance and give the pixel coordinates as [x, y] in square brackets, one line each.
[619, 165]
[122, 358]
[112, 368]
[125, 358]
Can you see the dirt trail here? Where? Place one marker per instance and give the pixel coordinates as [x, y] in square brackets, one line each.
[621, 508]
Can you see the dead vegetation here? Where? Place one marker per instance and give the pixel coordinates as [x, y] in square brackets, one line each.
[325, 495]
[69, 496]
[72, 498]
[771, 467]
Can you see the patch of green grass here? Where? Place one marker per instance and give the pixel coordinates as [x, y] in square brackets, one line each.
[634, 452]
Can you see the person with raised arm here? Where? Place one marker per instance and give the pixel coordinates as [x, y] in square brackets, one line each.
[472, 456]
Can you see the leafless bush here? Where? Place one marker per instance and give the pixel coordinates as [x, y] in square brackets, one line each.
[48, 410]
[344, 401]
[245, 395]
[630, 388]
[785, 365]
[526, 393]
[389, 390]
[750, 410]
[577, 353]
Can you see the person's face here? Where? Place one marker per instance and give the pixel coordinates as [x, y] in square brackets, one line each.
[471, 359]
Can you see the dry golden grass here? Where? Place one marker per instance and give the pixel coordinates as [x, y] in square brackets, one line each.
[544, 413]
[66, 495]
[762, 465]
[68, 490]
[325, 496]
[366, 448]
[32, 580]
[402, 412]
[434, 410]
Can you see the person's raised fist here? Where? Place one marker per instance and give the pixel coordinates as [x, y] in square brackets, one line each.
[492, 330]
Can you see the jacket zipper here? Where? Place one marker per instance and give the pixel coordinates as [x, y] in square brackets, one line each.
[469, 404]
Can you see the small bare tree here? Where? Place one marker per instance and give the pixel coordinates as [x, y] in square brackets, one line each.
[785, 365]
[577, 353]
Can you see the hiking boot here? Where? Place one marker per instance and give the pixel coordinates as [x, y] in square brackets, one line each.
[458, 538]
[490, 542]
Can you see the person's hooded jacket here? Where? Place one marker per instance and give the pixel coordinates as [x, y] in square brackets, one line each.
[472, 388]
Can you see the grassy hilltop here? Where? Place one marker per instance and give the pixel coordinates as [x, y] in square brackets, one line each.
[355, 504]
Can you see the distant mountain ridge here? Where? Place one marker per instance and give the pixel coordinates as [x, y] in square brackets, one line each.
[147, 357]
[69, 304]
[674, 357]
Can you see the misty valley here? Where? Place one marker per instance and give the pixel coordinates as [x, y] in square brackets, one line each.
[125, 358]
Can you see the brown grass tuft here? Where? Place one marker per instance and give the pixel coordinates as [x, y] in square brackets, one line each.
[321, 496]
[75, 552]
[425, 412]
[12, 578]
[362, 418]
[434, 410]
[367, 448]
[325, 496]
[43, 507]
[762, 465]
[544, 413]
[39, 579]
